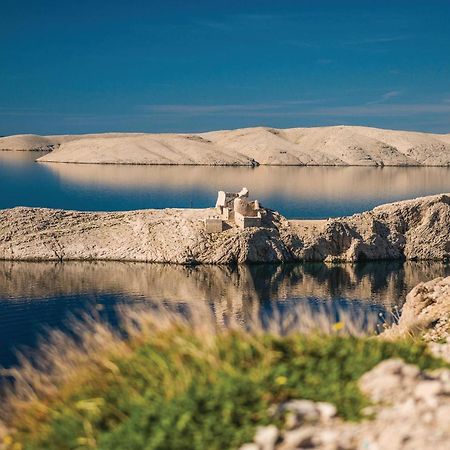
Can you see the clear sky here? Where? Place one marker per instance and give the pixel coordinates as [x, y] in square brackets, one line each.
[106, 65]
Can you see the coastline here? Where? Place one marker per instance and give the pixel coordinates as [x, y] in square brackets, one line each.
[416, 229]
[315, 146]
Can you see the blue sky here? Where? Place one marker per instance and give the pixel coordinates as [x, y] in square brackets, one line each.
[105, 65]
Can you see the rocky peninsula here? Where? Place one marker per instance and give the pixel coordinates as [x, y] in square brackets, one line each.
[412, 230]
[317, 146]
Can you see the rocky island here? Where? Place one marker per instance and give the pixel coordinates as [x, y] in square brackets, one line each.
[416, 229]
[316, 146]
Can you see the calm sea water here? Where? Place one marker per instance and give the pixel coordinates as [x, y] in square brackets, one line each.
[307, 192]
[35, 297]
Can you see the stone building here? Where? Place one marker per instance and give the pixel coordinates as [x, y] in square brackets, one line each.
[235, 208]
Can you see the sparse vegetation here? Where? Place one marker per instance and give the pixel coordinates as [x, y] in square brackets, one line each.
[178, 384]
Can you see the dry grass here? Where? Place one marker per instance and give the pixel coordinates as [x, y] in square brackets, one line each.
[66, 360]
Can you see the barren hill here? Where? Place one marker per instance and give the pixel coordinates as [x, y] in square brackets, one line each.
[334, 146]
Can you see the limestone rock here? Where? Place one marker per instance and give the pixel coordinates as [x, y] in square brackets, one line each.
[250, 446]
[266, 437]
[412, 411]
[426, 311]
[332, 146]
[415, 229]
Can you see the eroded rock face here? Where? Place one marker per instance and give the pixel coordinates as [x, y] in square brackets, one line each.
[415, 229]
[171, 235]
[411, 411]
[426, 312]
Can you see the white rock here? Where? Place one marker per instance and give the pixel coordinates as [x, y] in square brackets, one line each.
[326, 437]
[305, 410]
[410, 371]
[442, 415]
[427, 389]
[266, 437]
[326, 410]
[250, 446]
[178, 236]
[300, 437]
[426, 312]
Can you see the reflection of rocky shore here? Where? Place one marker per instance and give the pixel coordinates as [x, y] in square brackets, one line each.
[227, 288]
[34, 295]
[308, 183]
[37, 294]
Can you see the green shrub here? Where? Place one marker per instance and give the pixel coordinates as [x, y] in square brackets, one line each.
[178, 390]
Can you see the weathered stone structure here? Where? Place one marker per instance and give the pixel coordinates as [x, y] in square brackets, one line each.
[235, 207]
[214, 225]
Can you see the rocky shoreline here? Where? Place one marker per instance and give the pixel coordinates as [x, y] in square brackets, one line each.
[412, 230]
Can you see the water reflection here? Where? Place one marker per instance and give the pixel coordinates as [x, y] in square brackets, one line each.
[298, 182]
[34, 295]
[310, 192]
[295, 191]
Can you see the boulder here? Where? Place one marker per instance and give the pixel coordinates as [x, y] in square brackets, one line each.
[426, 312]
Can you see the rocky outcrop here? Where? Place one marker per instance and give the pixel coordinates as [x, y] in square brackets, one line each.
[318, 146]
[426, 312]
[170, 236]
[411, 408]
[28, 142]
[36, 143]
[416, 230]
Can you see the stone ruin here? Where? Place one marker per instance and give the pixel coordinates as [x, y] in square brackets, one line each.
[235, 208]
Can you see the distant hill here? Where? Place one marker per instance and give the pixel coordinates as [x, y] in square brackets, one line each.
[319, 146]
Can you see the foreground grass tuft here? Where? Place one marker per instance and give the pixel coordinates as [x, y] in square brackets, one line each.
[183, 387]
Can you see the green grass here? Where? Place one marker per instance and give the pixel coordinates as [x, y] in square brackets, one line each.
[178, 389]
